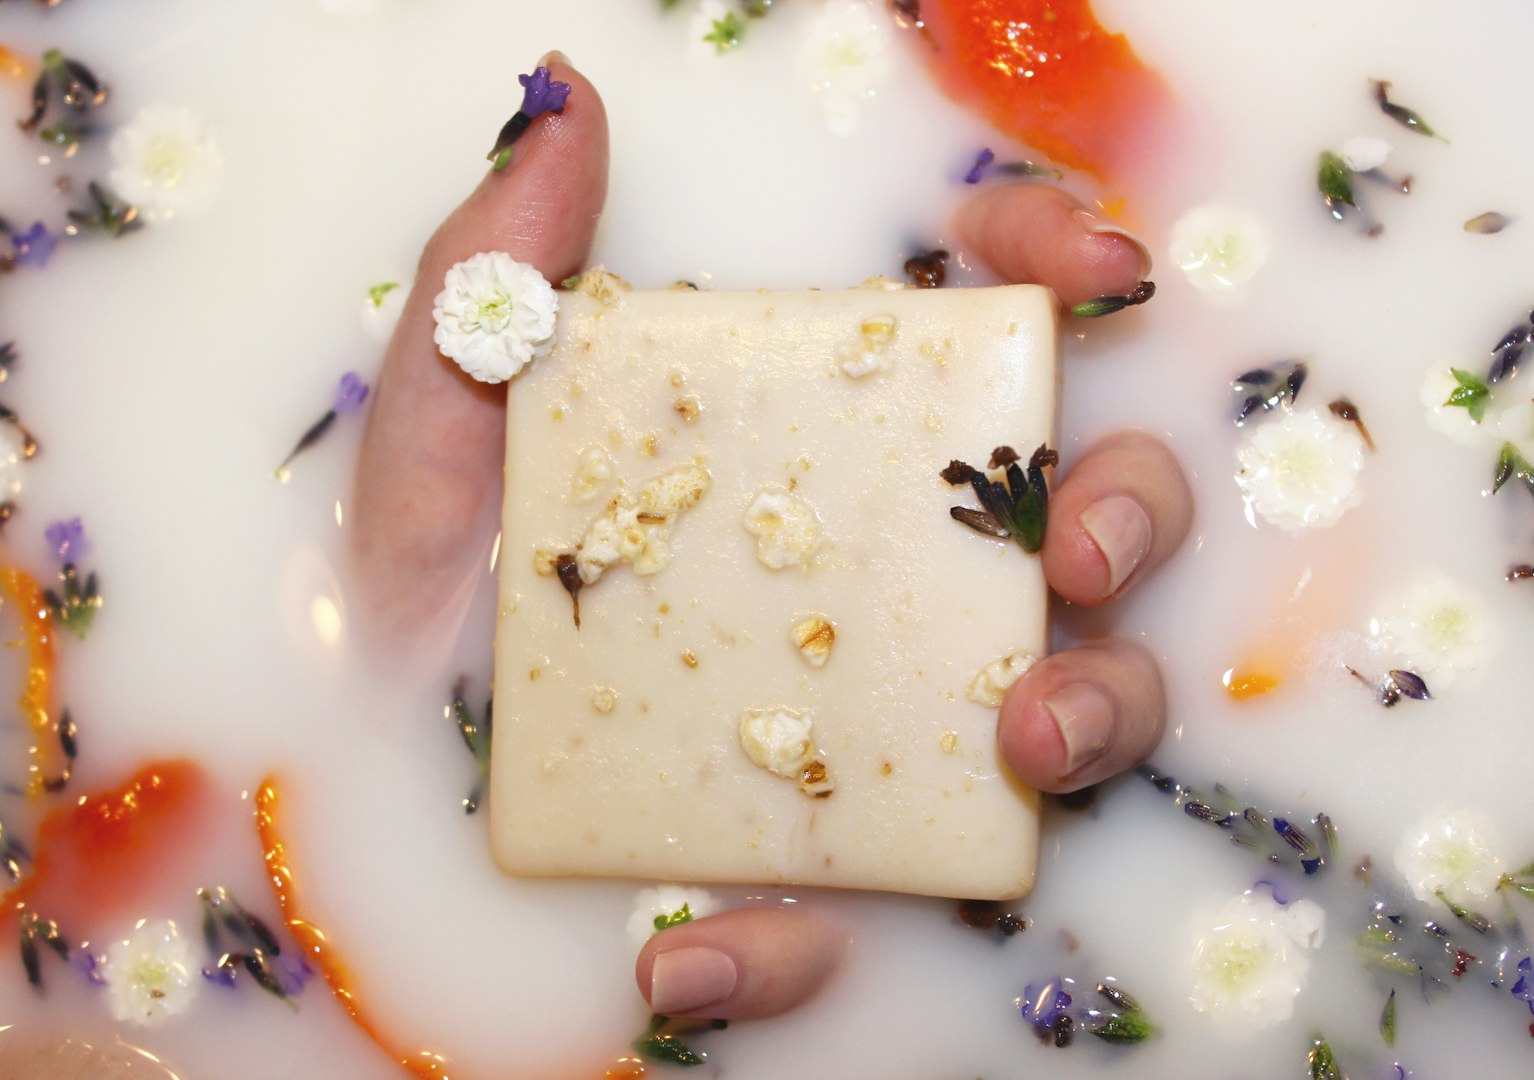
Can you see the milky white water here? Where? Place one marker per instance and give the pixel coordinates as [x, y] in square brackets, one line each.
[166, 374]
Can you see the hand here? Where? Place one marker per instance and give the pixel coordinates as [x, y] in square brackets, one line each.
[429, 483]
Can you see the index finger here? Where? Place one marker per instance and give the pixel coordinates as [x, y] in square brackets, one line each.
[429, 477]
[1040, 235]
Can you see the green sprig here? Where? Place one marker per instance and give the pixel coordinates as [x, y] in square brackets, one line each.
[662, 1040]
[1388, 1020]
[477, 736]
[1322, 1062]
[75, 609]
[676, 918]
[1472, 394]
[1511, 463]
[726, 33]
[1335, 180]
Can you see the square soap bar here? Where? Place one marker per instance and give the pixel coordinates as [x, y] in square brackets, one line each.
[788, 654]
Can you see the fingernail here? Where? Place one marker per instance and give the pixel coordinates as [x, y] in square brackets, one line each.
[1121, 530]
[1100, 226]
[1085, 720]
[682, 980]
[554, 56]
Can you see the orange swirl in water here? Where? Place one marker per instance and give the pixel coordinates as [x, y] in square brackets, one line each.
[1046, 73]
[13, 65]
[22, 589]
[320, 952]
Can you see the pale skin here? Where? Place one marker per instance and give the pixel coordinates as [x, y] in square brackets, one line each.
[428, 495]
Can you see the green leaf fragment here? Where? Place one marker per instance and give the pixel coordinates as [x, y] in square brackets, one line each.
[668, 1049]
[1402, 115]
[1511, 463]
[726, 32]
[1472, 394]
[1335, 180]
[1388, 1020]
[676, 918]
[1125, 1029]
[1323, 1063]
[377, 293]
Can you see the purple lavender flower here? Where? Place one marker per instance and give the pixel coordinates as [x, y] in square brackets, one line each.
[1044, 1005]
[67, 539]
[982, 162]
[222, 975]
[540, 94]
[35, 246]
[350, 394]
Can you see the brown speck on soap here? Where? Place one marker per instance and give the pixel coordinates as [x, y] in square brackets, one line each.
[570, 577]
[690, 658]
[688, 407]
[886, 769]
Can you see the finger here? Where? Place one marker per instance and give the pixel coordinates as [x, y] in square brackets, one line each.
[73, 1058]
[1083, 715]
[428, 482]
[1041, 235]
[1123, 510]
[740, 964]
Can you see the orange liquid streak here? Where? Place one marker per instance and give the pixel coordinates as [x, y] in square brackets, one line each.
[316, 945]
[1048, 74]
[1242, 683]
[37, 637]
[13, 65]
[92, 855]
[322, 954]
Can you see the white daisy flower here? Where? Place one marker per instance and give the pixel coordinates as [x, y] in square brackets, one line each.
[1252, 958]
[1219, 249]
[847, 49]
[667, 902]
[1302, 471]
[381, 309]
[1452, 852]
[165, 161]
[1438, 628]
[13, 456]
[150, 975]
[494, 315]
[1455, 421]
[1364, 152]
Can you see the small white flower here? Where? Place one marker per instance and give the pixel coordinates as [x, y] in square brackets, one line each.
[1362, 153]
[1438, 382]
[1219, 249]
[381, 309]
[667, 901]
[1453, 852]
[494, 315]
[1251, 962]
[150, 975]
[1302, 471]
[166, 160]
[1438, 628]
[13, 457]
[847, 50]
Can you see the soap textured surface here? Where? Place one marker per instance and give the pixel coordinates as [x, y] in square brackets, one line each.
[780, 624]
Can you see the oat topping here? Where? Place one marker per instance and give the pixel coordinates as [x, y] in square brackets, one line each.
[787, 530]
[813, 637]
[868, 353]
[636, 528]
[991, 682]
[779, 740]
[593, 474]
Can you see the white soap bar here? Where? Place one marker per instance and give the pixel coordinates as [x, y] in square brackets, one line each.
[789, 654]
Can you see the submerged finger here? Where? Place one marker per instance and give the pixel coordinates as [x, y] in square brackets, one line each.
[1082, 715]
[1123, 509]
[741, 964]
[428, 482]
[1041, 235]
